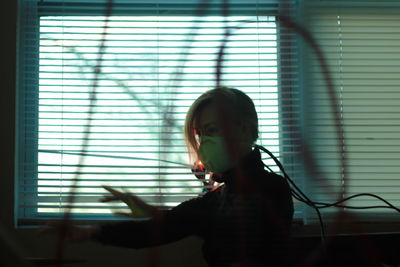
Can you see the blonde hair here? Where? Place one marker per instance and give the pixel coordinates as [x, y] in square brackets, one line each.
[241, 105]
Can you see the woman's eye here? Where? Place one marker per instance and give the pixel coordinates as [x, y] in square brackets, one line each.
[212, 131]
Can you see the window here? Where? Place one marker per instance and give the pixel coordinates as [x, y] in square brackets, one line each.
[360, 43]
[157, 59]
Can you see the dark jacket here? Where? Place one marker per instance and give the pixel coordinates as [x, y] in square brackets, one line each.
[247, 220]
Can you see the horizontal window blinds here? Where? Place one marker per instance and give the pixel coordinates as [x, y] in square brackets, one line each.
[164, 7]
[361, 46]
[153, 67]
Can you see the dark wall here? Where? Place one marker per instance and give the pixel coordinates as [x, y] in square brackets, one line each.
[8, 48]
[7, 105]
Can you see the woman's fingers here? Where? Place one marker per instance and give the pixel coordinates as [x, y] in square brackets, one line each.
[116, 194]
[139, 208]
[108, 198]
[125, 197]
[111, 190]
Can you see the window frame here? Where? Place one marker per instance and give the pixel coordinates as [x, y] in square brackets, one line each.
[50, 8]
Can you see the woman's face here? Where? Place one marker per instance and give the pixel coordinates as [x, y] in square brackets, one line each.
[210, 124]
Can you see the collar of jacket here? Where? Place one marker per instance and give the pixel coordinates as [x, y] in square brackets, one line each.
[247, 168]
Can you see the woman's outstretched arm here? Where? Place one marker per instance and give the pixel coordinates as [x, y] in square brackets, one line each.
[167, 226]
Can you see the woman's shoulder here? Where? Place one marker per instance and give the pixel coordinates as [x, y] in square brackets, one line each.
[272, 183]
[271, 177]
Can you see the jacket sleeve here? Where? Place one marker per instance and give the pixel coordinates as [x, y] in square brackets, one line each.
[183, 220]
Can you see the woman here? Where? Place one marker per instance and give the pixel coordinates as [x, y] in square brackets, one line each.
[244, 222]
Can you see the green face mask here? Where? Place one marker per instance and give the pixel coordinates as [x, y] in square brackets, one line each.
[213, 154]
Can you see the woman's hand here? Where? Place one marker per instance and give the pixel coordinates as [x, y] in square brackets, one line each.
[139, 208]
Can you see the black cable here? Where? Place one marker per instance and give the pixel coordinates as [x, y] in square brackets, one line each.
[336, 204]
[327, 205]
[268, 168]
[300, 196]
